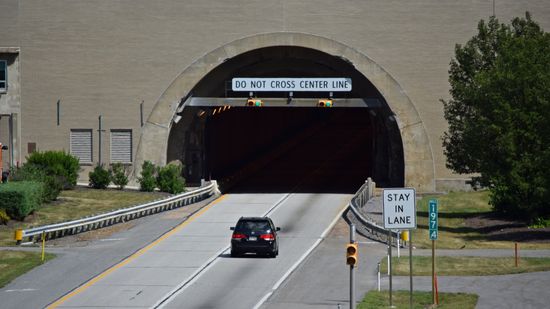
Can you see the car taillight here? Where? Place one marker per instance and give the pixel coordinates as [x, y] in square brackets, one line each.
[267, 237]
[238, 236]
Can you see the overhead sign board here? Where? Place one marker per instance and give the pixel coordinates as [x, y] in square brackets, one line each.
[292, 84]
[399, 208]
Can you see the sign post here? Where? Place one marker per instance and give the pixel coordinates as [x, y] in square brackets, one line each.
[432, 212]
[352, 267]
[400, 214]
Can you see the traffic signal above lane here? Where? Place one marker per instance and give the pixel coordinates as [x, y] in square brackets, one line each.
[325, 103]
[254, 102]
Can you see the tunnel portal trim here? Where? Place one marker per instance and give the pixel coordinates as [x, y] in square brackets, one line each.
[418, 156]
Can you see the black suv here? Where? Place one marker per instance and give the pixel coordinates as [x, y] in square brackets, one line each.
[255, 235]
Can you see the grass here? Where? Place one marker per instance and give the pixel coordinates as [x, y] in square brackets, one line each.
[16, 263]
[466, 265]
[453, 233]
[75, 204]
[421, 300]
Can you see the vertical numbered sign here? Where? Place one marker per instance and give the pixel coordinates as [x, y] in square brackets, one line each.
[432, 212]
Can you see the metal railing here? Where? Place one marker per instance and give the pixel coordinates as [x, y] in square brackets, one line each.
[367, 224]
[57, 230]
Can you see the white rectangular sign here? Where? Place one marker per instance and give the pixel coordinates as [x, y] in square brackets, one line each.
[291, 84]
[399, 208]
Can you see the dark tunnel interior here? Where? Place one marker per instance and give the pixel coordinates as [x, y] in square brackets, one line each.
[290, 149]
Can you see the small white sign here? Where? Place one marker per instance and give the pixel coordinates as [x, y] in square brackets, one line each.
[291, 84]
[399, 208]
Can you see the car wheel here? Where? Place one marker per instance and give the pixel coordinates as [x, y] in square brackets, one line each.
[234, 253]
[273, 254]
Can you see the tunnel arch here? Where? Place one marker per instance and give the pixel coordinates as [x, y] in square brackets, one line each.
[417, 153]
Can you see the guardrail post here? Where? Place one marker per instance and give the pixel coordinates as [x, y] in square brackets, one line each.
[18, 236]
[43, 245]
[378, 276]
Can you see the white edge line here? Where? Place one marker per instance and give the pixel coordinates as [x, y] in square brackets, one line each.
[300, 260]
[180, 287]
[20, 290]
[279, 202]
[168, 297]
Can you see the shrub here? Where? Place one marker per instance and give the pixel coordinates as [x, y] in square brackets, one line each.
[59, 164]
[147, 181]
[99, 177]
[119, 175]
[4, 218]
[169, 179]
[20, 198]
[32, 172]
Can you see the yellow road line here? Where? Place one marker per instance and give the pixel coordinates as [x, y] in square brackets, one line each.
[133, 256]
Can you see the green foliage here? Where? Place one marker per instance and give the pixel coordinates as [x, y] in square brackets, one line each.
[499, 113]
[58, 164]
[169, 179]
[32, 172]
[99, 177]
[20, 198]
[540, 223]
[119, 175]
[15, 263]
[421, 300]
[4, 218]
[147, 181]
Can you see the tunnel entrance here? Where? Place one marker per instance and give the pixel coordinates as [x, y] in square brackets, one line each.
[286, 147]
[290, 149]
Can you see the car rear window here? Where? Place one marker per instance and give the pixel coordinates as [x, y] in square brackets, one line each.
[253, 226]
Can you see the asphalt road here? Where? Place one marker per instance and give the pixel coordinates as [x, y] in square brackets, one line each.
[192, 259]
[246, 282]
[320, 281]
[84, 256]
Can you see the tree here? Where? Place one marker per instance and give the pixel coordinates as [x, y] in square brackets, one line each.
[499, 115]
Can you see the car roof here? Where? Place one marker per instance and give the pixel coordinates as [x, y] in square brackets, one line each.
[254, 218]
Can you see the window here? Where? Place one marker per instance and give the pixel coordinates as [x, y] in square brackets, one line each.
[121, 146]
[81, 145]
[3, 75]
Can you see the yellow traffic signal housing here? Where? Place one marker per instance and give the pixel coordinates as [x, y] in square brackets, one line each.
[254, 102]
[352, 254]
[325, 103]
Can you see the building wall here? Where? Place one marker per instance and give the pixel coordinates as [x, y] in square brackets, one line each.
[100, 57]
[10, 107]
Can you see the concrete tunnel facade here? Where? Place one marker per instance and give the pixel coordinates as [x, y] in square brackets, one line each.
[410, 159]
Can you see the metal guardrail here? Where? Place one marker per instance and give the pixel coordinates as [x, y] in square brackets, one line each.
[57, 230]
[369, 225]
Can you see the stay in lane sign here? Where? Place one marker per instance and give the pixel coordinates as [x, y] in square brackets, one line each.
[399, 208]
